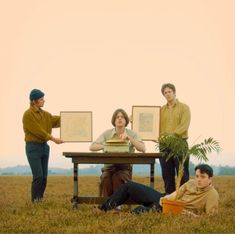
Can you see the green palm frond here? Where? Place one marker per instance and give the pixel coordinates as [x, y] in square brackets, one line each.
[174, 146]
[201, 150]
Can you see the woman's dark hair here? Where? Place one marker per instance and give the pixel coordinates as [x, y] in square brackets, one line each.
[115, 116]
[168, 85]
[204, 168]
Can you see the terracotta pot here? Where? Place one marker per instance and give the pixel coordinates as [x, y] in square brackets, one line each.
[172, 206]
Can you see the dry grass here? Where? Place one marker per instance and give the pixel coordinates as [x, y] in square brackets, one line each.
[54, 214]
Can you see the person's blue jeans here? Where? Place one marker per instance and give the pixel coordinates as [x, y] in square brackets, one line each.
[38, 156]
[169, 170]
[135, 192]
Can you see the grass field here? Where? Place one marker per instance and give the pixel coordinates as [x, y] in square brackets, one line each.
[55, 214]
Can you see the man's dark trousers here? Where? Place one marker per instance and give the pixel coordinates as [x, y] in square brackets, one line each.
[38, 156]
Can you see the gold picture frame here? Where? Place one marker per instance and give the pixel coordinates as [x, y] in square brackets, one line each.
[146, 122]
[76, 126]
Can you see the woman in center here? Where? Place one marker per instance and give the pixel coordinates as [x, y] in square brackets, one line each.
[114, 175]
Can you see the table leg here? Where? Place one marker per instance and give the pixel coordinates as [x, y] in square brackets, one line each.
[74, 199]
[152, 175]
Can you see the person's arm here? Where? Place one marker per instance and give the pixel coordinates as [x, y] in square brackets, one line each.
[181, 192]
[189, 213]
[139, 145]
[172, 196]
[96, 147]
[168, 197]
[55, 120]
[56, 140]
[212, 203]
[98, 144]
[184, 123]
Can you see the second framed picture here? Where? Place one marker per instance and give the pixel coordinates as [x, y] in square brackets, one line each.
[146, 121]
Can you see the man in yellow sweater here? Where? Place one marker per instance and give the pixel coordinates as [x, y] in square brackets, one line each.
[198, 194]
[37, 125]
[175, 120]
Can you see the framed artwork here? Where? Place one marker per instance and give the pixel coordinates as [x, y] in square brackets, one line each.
[146, 121]
[76, 126]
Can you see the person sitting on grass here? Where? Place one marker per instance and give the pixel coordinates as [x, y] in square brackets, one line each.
[198, 194]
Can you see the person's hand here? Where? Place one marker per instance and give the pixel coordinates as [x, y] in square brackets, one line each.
[188, 213]
[131, 118]
[124, 136]
[56, 140]
[165, 197]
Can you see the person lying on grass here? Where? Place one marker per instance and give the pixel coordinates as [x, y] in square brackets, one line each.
[198, 194]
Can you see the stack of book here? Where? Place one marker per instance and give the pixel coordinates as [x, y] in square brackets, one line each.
[116, 146]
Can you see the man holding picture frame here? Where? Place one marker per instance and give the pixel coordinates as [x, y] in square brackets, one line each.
[37, 125]
[175, 120]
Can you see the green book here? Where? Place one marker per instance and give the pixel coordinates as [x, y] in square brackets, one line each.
[116, 146]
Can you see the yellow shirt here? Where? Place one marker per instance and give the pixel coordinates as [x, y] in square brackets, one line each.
[175, 120]
[199, 200]
[38, 124]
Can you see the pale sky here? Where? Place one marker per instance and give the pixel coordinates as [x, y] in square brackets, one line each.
[102, 55]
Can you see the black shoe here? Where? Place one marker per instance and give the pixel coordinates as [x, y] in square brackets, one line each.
[156, 208]
[141, 209]
[37, 200]
[102, 207]
[108, 205]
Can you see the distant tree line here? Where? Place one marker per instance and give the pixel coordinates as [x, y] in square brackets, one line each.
[96, 170]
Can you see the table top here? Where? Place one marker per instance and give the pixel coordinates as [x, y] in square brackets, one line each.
[117, 158]
[110, 154]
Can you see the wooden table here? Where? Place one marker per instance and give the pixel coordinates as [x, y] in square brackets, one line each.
[106, 158]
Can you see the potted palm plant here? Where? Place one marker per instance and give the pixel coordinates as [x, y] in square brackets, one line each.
[173, 146]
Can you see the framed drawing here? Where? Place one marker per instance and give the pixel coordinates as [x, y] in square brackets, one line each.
[146, 121]
[76, 126]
